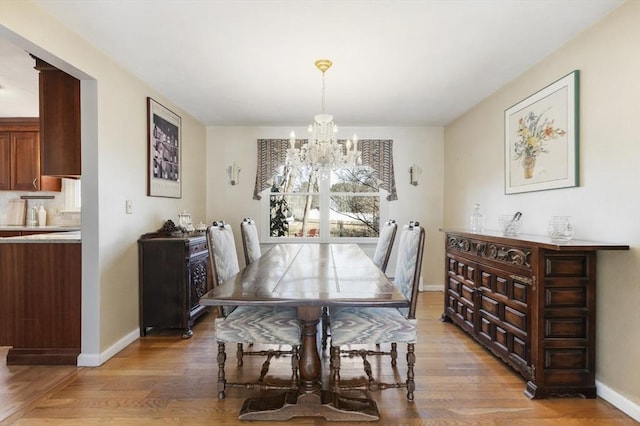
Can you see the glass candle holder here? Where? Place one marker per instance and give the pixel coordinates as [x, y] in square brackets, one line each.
[560, 228]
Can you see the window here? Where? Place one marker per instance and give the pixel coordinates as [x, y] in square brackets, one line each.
[343, 203]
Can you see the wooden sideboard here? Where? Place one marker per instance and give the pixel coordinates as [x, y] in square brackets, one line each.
[531, 302]
[173, 277]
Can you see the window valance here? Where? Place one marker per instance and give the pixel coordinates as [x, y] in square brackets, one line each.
[376, 153]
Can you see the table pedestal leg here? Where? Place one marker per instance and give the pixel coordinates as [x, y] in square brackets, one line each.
[310, 399]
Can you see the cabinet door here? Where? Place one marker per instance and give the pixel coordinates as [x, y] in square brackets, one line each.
[198, 280]
[502, 301]
[59, 121]
[5, 161]
[460, 291]
[25, 166]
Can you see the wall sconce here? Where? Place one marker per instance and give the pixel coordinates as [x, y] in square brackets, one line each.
[234, 174]
[414, 174]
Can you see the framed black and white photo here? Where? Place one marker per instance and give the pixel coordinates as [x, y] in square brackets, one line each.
[164, 145]
[541, 139]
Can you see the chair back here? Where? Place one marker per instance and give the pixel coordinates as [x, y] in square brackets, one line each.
[222, 255]
[409, 265]
[250, 240]
[385, 244]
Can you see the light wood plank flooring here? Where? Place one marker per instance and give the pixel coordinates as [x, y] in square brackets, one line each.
[162, 379]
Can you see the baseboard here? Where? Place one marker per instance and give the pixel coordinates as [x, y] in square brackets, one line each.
[431, 287]
[619, 401]
[96, 360]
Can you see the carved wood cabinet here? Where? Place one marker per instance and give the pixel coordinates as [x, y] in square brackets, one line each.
[172, 278]
[531, 302]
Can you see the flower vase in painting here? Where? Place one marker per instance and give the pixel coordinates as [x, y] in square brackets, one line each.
[534, 133]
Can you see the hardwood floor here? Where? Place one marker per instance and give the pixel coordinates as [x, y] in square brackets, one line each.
[162, 379]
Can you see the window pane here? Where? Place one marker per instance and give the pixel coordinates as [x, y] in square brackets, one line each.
[295, 179]
[355, 179]
[295, 215]
[354, 216]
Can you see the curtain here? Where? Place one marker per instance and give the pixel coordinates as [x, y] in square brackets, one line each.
[376, 153]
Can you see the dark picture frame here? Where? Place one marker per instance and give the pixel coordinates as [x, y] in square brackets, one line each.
[541, 138]
[164, 129]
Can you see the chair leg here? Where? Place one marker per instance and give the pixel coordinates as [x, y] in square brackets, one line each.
[240, 354]
[325, 326]
[222, 356]
[411, 361]
[295, 366]
[394, 354]
[335, 366]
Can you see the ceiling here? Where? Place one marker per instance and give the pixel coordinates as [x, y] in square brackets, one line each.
[251, 62]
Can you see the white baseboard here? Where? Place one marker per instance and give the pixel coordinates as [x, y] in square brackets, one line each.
[96, 360]
[619, 401]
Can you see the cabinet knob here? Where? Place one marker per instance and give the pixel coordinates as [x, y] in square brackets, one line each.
[35, 183]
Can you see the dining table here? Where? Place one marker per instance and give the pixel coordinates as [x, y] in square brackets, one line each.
[309, 276]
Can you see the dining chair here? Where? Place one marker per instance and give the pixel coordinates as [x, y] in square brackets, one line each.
[248, 324]
[372, 325]
[380, 257]
[385, 244]
[250, 240]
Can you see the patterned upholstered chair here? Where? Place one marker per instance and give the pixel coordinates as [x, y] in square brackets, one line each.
[248, 324]
[385, 244]
[250, 240]
[380, 258]
[372, 326]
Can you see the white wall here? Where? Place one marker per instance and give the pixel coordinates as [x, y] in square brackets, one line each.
[420, 145]
[114, 167]
[606, 205]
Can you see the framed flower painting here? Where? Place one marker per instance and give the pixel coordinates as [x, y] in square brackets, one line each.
[541, 139]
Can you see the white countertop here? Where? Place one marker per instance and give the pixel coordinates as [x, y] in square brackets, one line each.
[47, 228]
[49, 237]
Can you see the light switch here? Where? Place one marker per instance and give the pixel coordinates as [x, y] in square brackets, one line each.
[129, 206]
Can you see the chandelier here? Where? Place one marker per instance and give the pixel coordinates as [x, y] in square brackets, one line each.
[322, 151]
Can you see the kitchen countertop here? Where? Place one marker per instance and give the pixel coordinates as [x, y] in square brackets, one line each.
[47, 228]
[49, 237]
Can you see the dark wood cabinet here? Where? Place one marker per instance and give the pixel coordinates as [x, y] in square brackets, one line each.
[20, 157]
[531, 302]
[60, 147]
[173, 277]
[40, 285]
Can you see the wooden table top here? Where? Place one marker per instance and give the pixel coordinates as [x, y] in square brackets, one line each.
[309, 275]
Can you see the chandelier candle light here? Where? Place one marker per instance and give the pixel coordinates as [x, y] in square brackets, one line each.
[322, 151]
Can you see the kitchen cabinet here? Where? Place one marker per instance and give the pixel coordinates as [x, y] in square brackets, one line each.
[173, 277]
[59, 122]
[40, 307]
[531, 302]
[20, 157]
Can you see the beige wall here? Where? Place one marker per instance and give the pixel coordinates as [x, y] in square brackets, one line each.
[606, 205]
[114, 165]
[420, 145]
